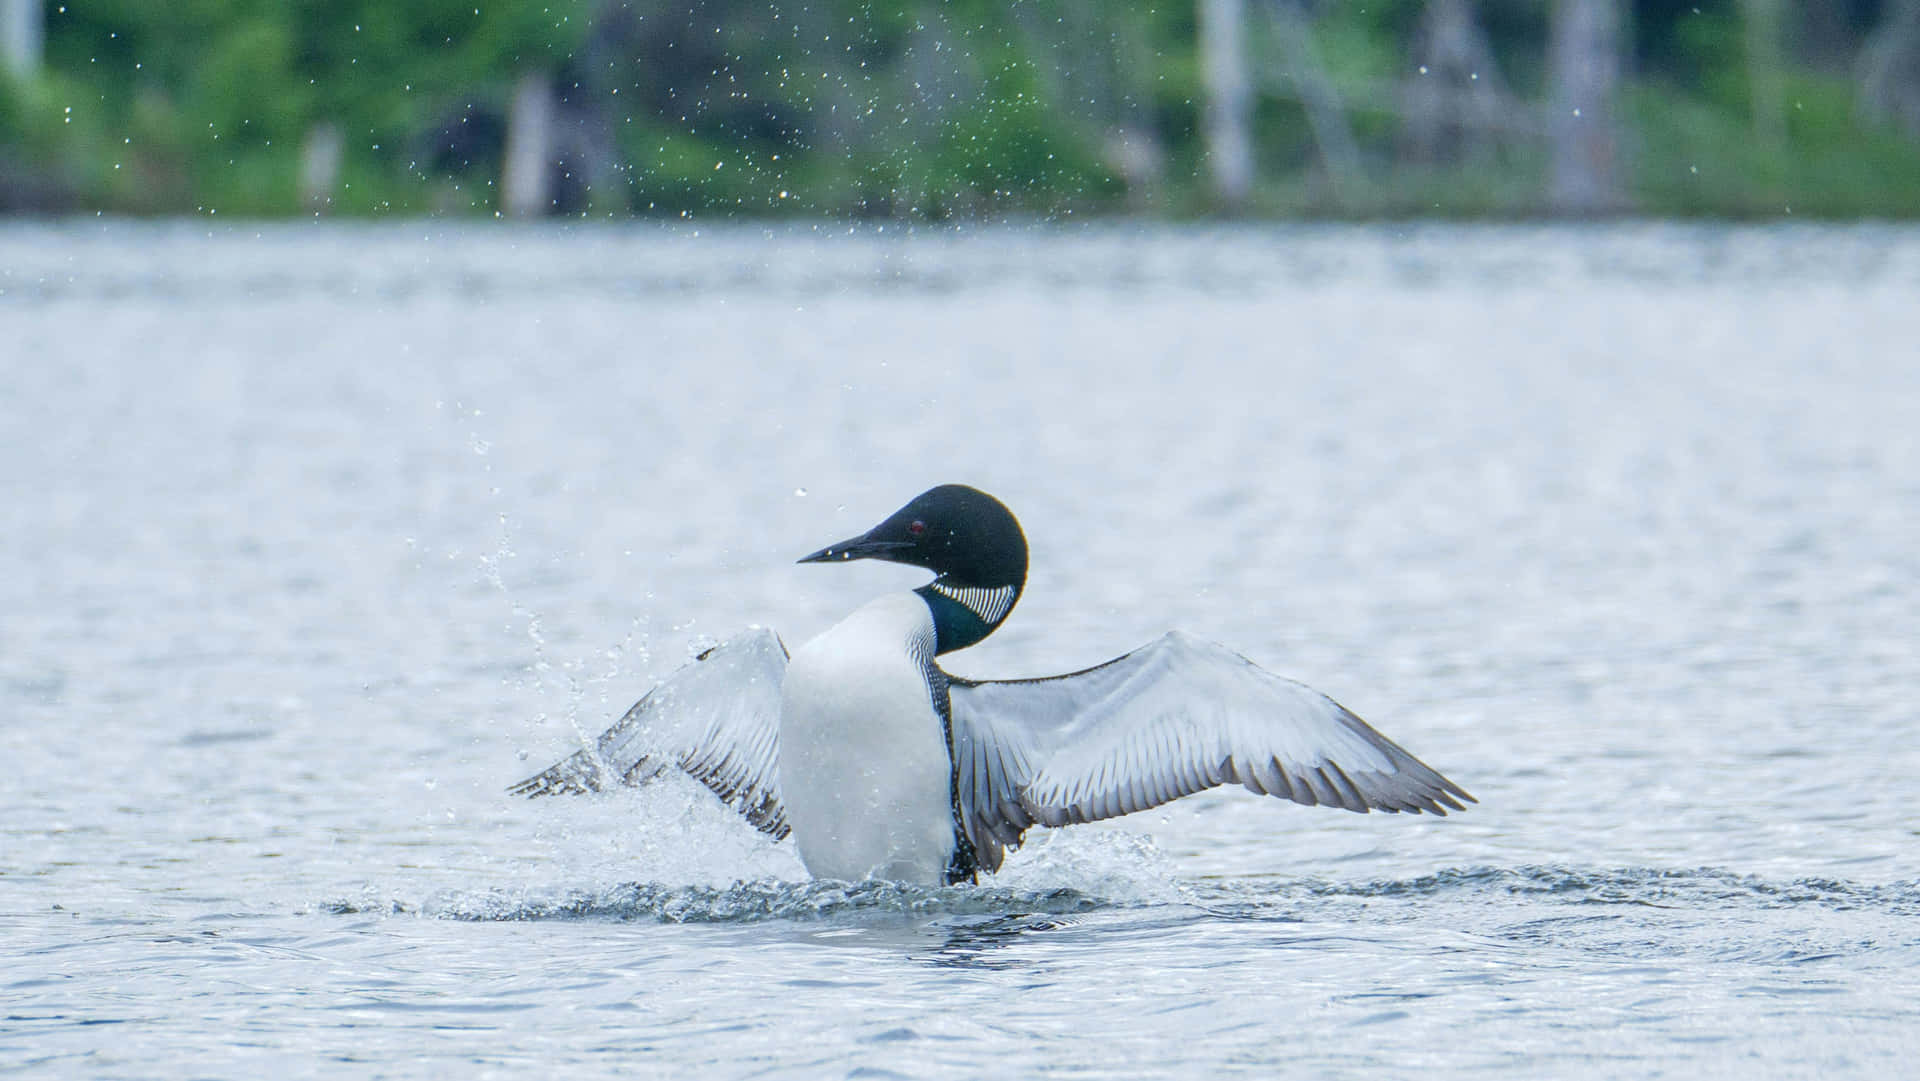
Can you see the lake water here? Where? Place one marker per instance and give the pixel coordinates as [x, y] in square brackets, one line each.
[317, 537]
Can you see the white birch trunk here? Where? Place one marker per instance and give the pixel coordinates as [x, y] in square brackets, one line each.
[527, 176]
[320, 159]
[1584, 68]
[1229, 105]
[22, 35]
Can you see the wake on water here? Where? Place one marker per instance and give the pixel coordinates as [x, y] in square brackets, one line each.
[741, 902]
[1643, 915]
[1061, 876]
[702, 865]
[699, 862]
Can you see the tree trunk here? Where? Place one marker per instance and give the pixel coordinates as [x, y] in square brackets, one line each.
[320, 159]
[1456, 107]
[1332, 135]
[22, 33]
[1133, 144]
[1584, 68]
[1764, 73]
[1890, 69]
[526, 188]
[1229, 107]
[584, 145]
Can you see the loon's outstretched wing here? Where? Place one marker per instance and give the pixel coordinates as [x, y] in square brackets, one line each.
[717, 718]
[1169, 719]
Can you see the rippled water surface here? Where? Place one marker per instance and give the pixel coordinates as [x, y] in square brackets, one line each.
[316, 538]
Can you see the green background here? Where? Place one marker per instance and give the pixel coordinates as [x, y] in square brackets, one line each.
[905, 110]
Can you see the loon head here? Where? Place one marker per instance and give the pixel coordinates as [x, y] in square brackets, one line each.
[969, 539]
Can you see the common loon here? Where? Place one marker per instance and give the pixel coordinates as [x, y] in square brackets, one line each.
[882, 765]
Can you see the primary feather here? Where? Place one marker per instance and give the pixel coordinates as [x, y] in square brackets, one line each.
[717, 718]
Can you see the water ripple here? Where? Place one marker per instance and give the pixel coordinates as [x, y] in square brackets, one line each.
[1657, 887]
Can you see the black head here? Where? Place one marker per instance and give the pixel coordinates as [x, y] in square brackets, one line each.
[966, 537]
[962, 534]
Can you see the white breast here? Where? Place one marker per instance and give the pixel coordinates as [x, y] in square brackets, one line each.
[864, 770]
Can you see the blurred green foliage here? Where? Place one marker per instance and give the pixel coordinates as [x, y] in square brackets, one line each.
[920, 109]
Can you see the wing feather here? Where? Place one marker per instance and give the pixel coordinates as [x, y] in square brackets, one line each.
[1172, 718]
[717, 718]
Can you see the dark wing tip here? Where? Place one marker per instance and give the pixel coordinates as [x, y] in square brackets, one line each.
[575, 775]
[1439, 794]
[1441, 799]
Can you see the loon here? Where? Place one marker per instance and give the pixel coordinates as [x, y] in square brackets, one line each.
[882, 765]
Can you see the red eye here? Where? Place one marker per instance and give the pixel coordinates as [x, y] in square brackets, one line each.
[917, 528]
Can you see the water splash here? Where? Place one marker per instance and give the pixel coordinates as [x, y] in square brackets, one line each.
[1126, 867]
[742, 902]
[703, 864]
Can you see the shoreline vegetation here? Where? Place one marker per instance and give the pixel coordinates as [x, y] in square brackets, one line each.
[962, 110]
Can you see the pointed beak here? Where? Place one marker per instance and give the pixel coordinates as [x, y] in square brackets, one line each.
[856, 548]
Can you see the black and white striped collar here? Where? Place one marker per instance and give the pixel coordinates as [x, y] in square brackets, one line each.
[963, 615]
[991, 605]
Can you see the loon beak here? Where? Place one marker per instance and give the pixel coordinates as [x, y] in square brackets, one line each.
[856, 548]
